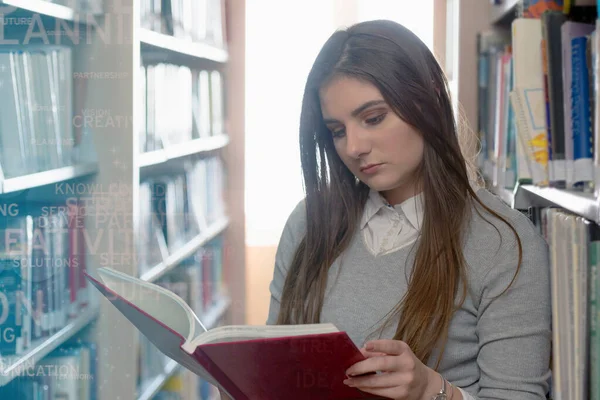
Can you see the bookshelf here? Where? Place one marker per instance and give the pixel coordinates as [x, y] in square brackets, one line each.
[48, 9]
[12, 366]
[58, 175]
[161, 47]
[517, 49]
[109, 45]
[184, 252]
[179, 151]
[525, 196]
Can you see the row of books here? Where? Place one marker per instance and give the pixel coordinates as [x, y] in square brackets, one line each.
[67, 373]
[176, 208]
[574, 245]
[42, 286]
[538, 96]
[197, 113]
[198, 280]
[194, 20]
[36, 129]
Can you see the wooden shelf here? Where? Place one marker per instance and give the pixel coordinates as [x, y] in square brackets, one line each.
[13, 366]
[196, 146]
[46, 8]
[504, 13]
[24, 182]
[158, 47]
[185, 251]
[210, 320]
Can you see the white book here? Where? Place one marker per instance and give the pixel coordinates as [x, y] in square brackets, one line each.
[528, 79]
[216, 95]
[28, 94]
[205, 106]
[142, 111]
[63, 63]
[199, 19]
[12, 138]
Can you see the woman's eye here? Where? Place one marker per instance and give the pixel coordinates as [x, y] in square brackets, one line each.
[337, 133]
[376, 120]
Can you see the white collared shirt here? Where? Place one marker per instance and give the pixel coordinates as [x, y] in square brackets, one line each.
[388, 228]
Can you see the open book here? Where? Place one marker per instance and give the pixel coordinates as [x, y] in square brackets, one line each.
[247, 362]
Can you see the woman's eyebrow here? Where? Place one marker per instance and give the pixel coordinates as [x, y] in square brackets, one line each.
[357, 111]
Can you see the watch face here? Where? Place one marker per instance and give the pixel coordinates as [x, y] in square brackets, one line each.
[441, 396]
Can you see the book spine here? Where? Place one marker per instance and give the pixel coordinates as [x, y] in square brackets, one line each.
[581, 112]
[549, 127]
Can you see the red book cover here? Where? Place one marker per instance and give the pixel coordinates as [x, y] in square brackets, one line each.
[291, 368]
[246, 362]
[74, 276]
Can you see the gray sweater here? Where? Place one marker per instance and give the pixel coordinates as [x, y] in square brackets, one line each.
[497, 349]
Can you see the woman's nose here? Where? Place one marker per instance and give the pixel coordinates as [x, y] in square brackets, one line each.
[357, 142]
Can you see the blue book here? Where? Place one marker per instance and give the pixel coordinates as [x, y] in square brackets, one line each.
[580, 111]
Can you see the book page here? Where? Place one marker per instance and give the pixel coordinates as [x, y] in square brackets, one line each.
[246, 332]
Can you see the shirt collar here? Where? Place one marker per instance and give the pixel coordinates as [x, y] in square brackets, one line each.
[412, 208]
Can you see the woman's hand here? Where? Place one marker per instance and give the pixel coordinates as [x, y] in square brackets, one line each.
[403, 376]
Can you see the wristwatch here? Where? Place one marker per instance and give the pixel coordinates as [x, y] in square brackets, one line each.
[442, 394]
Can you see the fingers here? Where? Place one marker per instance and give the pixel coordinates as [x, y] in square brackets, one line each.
[388, 346]
[379, 381]
[404, 363]
[369, 354]
[373, 364]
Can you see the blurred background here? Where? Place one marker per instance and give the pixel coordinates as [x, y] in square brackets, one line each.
[160, 138]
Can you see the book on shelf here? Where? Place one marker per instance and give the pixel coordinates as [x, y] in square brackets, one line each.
[246, 362]
[42, 286]
[192, 20]
[199, 111]
[554, 55]
[574, 253]
[67, 373]
[36, 128]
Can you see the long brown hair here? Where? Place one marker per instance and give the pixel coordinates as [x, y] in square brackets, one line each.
[411, 81]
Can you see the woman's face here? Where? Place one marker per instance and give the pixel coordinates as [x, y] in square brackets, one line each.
[376, 145]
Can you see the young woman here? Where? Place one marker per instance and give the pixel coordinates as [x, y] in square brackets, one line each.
[443, 287]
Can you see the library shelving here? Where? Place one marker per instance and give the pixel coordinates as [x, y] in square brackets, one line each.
[180, 151]
[525, 196]
[152, 99]
[537, 116]
[174, 259]
[159, 47]
[13, 366]
[49, 177]
[50, 9]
